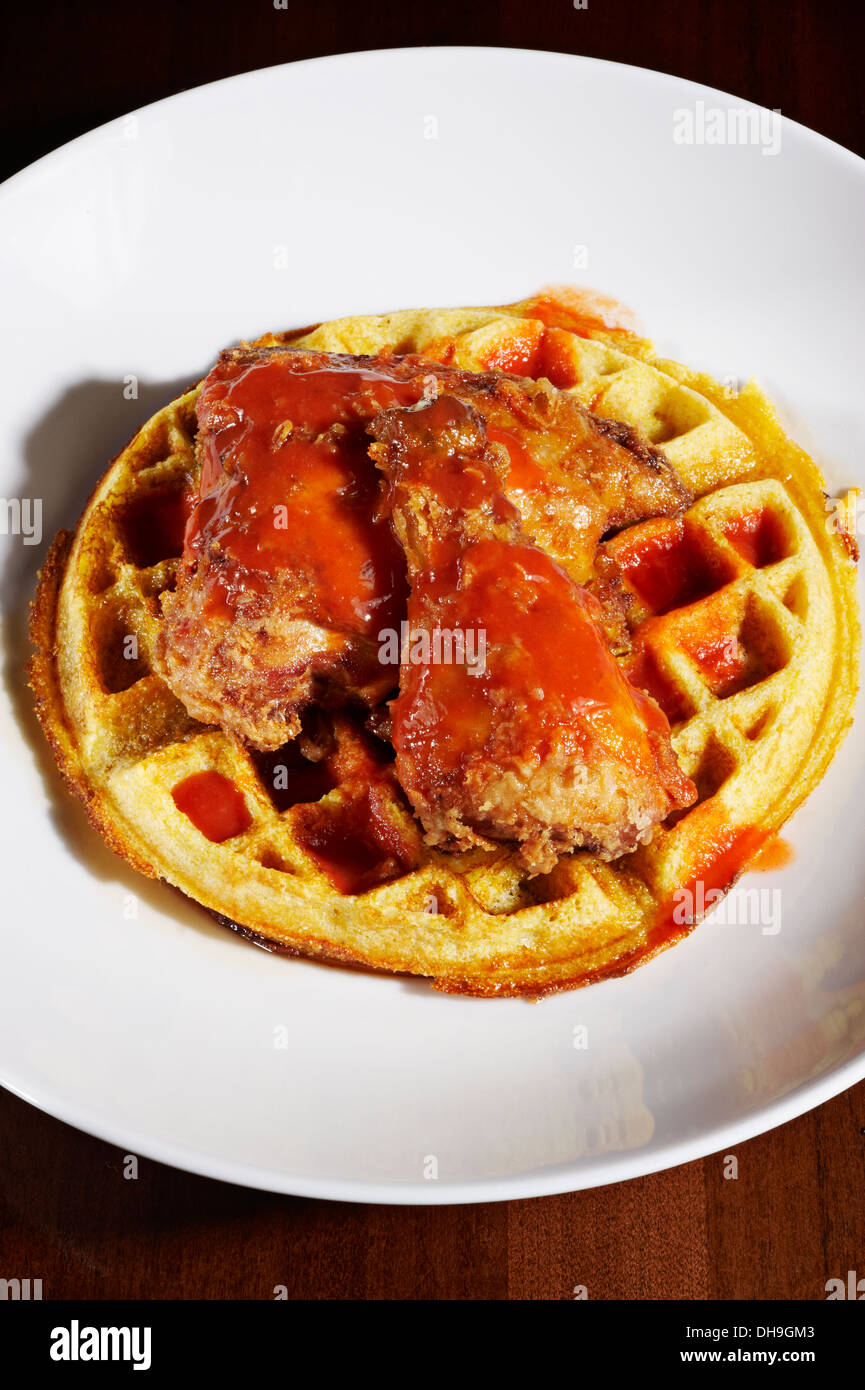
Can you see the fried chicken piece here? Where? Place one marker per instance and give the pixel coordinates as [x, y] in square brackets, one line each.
[572, 475]
[289, 574]
[541, 740]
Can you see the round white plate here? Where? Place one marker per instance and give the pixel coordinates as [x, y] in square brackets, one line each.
[363, 183]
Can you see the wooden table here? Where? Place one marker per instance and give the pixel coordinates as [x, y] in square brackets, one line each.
[796, 1214]
[793, 1218]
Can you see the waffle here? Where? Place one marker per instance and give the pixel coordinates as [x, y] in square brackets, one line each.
[743, 623]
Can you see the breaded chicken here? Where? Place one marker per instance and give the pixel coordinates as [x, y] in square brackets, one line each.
[289, 573]
[573, 476]
[539, 740]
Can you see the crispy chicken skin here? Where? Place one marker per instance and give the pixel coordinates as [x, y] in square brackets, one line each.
[544, 743]
[572, 476]
[289, 573]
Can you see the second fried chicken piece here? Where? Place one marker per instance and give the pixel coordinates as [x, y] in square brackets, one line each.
[573, 476]
[541, 741]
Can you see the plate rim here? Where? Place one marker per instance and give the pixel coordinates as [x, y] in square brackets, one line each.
[10, 184]
[551, 1181]
[572, 1176]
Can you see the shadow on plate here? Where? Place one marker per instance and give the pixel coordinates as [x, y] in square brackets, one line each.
[64, 457]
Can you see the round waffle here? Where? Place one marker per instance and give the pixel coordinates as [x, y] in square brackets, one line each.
[744, 628]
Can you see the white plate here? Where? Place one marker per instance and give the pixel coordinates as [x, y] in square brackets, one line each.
[383, 180]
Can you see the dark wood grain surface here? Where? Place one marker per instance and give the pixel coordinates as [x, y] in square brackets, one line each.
[795, 1216]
